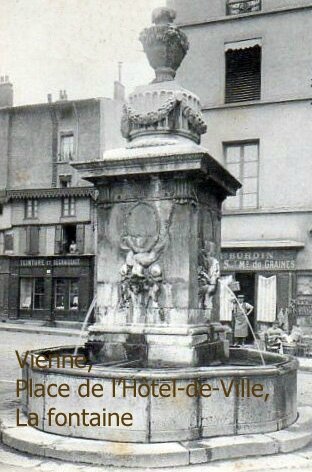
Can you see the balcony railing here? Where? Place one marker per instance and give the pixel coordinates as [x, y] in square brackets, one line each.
[242, 6]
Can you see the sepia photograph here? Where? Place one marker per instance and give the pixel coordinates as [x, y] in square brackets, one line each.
[155, 235]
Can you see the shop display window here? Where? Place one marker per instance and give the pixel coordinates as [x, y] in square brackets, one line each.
[59, 294]
[66, 294]
[32, 293]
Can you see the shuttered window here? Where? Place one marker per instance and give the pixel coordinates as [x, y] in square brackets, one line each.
[32, 240]
[243, 74]
[8, 242]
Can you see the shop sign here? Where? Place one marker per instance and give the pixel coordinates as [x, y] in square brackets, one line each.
[70, 262]
[252, 260]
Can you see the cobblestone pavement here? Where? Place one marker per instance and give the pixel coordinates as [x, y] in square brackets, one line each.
[13, 461]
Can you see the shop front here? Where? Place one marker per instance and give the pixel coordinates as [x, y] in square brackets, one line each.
[51, 288]
[266, 277]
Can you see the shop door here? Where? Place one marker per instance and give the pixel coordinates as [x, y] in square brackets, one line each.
[247, 282]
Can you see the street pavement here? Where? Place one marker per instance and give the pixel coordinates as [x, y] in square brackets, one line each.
[13, 461]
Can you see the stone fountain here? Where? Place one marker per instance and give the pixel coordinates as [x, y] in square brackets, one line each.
[159, 215]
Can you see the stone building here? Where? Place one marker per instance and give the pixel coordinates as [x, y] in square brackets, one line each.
[47, 220]
[250, 64]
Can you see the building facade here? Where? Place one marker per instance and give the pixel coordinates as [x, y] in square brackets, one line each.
[47, 213]
[250, 64]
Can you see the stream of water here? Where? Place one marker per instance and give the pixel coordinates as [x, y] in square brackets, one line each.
[84, 325]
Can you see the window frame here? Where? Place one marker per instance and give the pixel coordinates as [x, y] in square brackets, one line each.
[71, 206]
[68, 293]
[68, 157]
[227, 96]
[33, 293]
[31, 204]
[242, 162]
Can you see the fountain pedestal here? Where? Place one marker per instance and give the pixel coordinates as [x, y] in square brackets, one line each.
[159, 212]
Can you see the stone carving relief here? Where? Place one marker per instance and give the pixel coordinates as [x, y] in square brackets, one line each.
[131, 117]
[141, 275]
[184, 191]
[208, 275]
[165, 44]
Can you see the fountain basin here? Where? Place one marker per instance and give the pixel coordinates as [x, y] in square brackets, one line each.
[179, 418]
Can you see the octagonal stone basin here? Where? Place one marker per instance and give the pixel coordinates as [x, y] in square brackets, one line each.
[182, 418]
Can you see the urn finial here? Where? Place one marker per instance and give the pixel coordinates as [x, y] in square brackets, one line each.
[164, 44]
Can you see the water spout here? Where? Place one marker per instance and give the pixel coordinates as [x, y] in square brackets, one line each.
[83, 328]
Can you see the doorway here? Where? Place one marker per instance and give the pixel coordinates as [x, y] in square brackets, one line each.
[247, 282]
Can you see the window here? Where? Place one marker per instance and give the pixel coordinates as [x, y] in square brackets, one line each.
[32, 240]
[66, 147]
[31, 208]
[1, 208]
[68, 206]
[32, 293]
[234, 7]
[65, 181]
[59, 294]
[242, 160]
[69, 239]
[38, 294]
[66, 294]
[73, 294]
[242, 72]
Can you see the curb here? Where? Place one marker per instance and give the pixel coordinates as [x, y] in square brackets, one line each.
[38, 329]
[305, 366]
[33, 441]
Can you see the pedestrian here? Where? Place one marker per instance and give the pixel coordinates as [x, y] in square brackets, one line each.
[241, 310]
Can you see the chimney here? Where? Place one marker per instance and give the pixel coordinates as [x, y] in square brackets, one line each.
[49, 98]
[119, 88]
[6, 92]
[62, 95]
[119, 91]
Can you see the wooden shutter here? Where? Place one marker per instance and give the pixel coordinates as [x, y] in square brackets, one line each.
[32, 240]
[266, 299]
[8, 242]
[243, 74]
[80, 236]
[283, 290]
[58, 240]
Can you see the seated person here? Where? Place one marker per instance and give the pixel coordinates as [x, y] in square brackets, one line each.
[73, 247]
[295, 335]
[275, 336]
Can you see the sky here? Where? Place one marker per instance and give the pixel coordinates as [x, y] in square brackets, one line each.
[48, 45]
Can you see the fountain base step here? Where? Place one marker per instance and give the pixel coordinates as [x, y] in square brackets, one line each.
[33, 441]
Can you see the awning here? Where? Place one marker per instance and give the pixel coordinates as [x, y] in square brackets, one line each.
[245, 44]
[263, 243]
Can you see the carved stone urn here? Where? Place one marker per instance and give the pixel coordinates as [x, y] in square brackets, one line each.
[164, 44]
